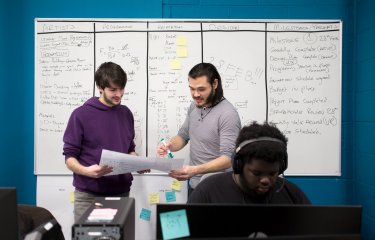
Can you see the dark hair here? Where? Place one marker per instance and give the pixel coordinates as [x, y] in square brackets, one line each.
[268, 151]
[108, 73]
[210, 71]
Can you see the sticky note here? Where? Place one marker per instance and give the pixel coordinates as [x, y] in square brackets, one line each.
[170, 196]
[181, 40]
[174, 224]
[175, 64]
[153, 198]
[71, 197]
[176, 185]
[145, 214]
[181, 52]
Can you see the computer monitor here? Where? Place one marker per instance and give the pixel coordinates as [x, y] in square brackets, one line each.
[8, 213]
[272, 221]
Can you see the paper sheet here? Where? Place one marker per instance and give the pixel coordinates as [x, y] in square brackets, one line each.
[126, 163]
[102, 214]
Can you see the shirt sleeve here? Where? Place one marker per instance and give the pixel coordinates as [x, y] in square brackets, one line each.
[73, 137]
[230, 126]
[132, 143]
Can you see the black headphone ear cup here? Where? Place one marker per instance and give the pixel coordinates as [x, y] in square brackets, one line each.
[281, 169]
[284, 165]
[237, 164]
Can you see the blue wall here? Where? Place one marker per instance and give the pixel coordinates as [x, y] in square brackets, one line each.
[364, 120]
[16, 146]
[356, 184]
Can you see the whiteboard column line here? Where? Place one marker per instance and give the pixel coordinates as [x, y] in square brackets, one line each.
[265, 68]
[147, 85]
[201, 41]
[94, 39]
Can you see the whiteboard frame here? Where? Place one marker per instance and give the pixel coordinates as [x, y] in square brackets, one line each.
[337, 173]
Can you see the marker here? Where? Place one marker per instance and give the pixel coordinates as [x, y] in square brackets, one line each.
[169, 153]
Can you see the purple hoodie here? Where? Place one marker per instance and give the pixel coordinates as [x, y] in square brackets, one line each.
[91, 128]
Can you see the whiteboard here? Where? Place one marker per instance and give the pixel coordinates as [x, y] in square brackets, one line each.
[281, 71]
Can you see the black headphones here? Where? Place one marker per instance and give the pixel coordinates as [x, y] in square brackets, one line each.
[238, 162]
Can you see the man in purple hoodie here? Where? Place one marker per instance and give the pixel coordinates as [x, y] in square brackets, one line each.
[100, 123]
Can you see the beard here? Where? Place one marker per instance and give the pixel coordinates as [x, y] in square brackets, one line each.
[109, 101]
[209, 100]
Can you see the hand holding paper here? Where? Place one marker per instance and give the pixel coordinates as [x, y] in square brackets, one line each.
[126, 163]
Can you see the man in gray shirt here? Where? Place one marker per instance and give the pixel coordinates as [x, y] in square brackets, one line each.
[211, 125]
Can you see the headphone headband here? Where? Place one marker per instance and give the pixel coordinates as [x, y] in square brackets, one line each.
[259, 139]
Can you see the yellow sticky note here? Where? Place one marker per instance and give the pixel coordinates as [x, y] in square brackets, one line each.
[175, 64]
[176, 185]
[181, 40]
[71, 197]
[181, 51]
[153, 198]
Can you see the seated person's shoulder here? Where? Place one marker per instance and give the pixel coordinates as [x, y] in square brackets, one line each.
[212, 178]
[219, 188]
[209, 187]
[299, 197]
[291, 185]
[31, 217]
[208, 175]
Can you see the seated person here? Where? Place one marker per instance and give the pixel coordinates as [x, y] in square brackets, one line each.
[31, 217]
[260, 158]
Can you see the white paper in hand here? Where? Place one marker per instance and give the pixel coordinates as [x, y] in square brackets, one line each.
[126, 163]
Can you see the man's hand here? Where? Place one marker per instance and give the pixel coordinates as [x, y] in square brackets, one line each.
[96, 171]
[144, 171]
[184, 173]
[162, 149]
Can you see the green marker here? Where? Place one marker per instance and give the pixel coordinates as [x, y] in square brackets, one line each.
[169, 153]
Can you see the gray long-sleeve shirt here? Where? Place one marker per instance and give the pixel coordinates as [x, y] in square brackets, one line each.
[212, 133]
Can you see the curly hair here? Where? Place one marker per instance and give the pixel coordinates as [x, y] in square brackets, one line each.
[269, 151]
